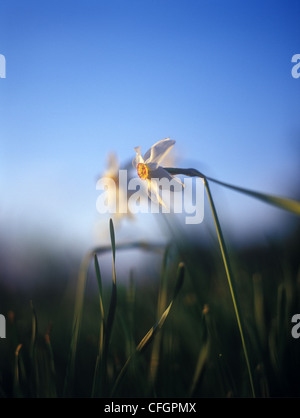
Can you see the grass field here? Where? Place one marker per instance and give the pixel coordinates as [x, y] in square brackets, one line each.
[178, 331]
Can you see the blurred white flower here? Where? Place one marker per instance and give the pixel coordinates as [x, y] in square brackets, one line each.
[117, 196]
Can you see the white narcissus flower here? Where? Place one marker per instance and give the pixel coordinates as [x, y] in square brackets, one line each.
[149, 169]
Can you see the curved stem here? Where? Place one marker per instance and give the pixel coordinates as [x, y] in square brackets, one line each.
[195, 173]
[230, 281]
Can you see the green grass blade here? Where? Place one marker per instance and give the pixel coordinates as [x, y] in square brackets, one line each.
[161, 305]
[180, 278]
[281, 202]
[17, 387]
[33, 330]
[98, 374]
[148, 338]
[202, 359]
[290, 205]
[112, 306]
[258, 304]
[203, 353]
[113, 301]
[151, 333]
[82, 278]
[32, 351]
[79, 302]
[99, 281]
[230, 282]
[113, 243]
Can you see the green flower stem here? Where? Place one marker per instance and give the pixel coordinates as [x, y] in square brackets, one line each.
[196, 173]
[230, 281]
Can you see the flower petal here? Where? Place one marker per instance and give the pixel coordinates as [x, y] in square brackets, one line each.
[112, 166]
[160, 173]
[152, 166]
[138, 158]
[153, 193]
[138, 150]
[158, 151]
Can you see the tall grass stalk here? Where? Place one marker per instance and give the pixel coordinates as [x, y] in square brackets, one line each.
[161, 306]
[280, 202]
[112, 306]
[203, 353]
[148, 338]
[259, 304]
[82, 276]
[17, 389]
[79, 303]
[230, 281]
[99, 370]
[33, 331]
[229, 274]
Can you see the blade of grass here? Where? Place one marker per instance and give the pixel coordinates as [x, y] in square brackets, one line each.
[131, 295]
[281, 202]
[148, 338]
[98, 375]
[258, 302]
[17, 388]
[33, 358]
[230, 281]
[203, 354]
[33, 330]
[202, 359]
[82, 277]
[79, 302]
[112, 306]
[162, 301]
[290, 205]
[113, 301]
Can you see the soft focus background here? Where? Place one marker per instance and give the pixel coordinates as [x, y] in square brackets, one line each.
[86, 78]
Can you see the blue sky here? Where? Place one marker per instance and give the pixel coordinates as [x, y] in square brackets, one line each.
[84, 78]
